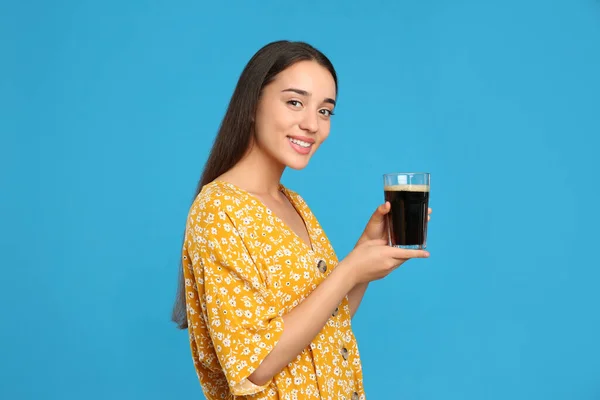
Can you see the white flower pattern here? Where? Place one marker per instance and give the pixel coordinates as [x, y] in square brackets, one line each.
[244, 269]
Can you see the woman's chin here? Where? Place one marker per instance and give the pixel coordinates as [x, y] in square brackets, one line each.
[297, 163]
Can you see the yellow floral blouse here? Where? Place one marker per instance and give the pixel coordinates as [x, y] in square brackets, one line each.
[244, 269]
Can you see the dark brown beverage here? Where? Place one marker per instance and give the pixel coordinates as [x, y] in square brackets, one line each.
[407, 218]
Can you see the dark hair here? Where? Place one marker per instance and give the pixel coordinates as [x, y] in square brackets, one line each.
[237, 128]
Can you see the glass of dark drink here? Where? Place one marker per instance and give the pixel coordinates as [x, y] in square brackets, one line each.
[408, 194]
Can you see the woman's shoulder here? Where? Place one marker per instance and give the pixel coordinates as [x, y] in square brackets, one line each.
[217, 195]
[220, 198]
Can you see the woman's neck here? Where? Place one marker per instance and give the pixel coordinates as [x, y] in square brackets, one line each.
[256, 173]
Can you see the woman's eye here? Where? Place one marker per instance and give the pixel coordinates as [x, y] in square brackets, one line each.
[326, 112]
[295, 103]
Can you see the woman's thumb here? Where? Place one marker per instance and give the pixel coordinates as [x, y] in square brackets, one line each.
[381, 211]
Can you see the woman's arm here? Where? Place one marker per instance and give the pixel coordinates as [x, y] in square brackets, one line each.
[304, 322]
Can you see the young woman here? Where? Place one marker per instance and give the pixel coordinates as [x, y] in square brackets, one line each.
[266, 302]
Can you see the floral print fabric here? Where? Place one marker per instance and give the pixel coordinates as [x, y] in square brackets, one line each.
[244, 269]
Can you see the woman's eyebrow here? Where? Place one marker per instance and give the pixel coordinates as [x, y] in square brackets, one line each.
[305, 93]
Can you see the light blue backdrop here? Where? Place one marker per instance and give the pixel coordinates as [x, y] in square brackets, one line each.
[108, 109]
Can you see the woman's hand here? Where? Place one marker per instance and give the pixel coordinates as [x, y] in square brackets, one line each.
[374, 259]
[375, 232]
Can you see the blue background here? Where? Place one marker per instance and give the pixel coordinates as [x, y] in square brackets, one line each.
[108, 110]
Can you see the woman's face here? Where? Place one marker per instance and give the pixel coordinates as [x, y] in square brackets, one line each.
[293, 116]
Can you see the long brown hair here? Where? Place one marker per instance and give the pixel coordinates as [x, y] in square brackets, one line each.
[236, 130]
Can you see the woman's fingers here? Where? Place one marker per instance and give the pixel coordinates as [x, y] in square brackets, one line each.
[375, 242]
[405, 254]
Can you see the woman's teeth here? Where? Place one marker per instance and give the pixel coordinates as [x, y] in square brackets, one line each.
[299, 142]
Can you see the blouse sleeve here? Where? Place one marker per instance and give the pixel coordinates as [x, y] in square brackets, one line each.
[241, 314]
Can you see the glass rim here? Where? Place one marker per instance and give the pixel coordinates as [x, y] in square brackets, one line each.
[406, 173]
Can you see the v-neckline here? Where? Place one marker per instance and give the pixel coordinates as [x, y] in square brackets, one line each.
[282, 189]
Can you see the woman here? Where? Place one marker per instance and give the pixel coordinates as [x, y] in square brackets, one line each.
[266, 302]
